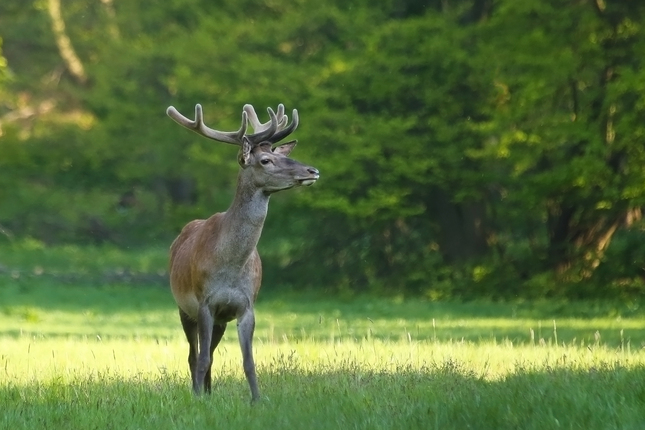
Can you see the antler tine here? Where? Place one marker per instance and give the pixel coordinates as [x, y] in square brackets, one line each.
[198, 126]
[253, 118]
[266, 130]
[258, 126]
[282, 118]
[295, 120]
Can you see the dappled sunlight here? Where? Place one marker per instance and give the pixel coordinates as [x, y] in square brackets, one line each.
[581, 332]
[28, 359]
[131, 313]
[319, 369]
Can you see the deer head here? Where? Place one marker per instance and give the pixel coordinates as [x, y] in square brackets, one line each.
[265, 166]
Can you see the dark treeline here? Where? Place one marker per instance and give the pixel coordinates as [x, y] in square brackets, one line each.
[467, 148]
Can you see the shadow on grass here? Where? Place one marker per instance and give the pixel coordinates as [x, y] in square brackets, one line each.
[304, 316]
[53, 295]
[446, 396]
[415, 308]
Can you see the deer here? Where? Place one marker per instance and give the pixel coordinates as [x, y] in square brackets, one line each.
[215, 268]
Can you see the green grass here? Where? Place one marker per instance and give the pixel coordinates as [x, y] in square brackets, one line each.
[114, 357]
[29, 257]
[128, 384]
[98, 356]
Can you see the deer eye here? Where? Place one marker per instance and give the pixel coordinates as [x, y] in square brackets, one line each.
[265, 161]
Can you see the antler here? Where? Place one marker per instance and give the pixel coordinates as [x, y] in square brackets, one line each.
[198, 126]
[286, 131]
[282, 130]
[271, 131]
[257, 125]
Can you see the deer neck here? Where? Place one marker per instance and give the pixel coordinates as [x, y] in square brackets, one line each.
[243, 221]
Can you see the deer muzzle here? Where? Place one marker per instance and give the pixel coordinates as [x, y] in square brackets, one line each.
[314, 174]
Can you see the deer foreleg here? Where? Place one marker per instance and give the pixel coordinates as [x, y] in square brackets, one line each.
[205, 331]
[245, 329]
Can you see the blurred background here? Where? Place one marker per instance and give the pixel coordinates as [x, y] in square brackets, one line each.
[467, 148]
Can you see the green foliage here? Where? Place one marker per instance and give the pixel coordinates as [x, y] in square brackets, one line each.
[565, 129]
[3, 70]
[465, 150]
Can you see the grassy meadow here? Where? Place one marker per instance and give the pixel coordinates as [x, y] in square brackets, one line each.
[89, 341]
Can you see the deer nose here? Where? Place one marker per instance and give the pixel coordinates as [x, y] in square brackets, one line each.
[313, 171]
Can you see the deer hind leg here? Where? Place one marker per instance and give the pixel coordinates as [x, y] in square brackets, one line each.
[190, 329]
[245, 329]
[218, 332]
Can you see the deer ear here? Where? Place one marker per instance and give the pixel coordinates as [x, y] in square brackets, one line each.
[286, 148]
[244, 157]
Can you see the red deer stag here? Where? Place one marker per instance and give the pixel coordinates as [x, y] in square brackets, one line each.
[215, 269]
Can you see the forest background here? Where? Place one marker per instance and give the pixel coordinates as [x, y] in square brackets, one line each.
[467, 148]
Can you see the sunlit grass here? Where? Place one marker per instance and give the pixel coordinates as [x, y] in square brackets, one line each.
[33, 359]
[370, 383]
[114, 356]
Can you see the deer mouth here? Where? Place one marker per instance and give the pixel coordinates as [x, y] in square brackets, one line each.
[308, 181]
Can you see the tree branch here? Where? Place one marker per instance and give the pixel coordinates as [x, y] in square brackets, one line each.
[74, 64]
[113, 29]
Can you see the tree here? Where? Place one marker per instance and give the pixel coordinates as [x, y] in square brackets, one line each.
[395, 128]
[466, 147]
[567, 123]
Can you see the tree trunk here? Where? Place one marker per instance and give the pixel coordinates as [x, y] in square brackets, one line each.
[579, 242]
[65, 48]
[462, 227]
